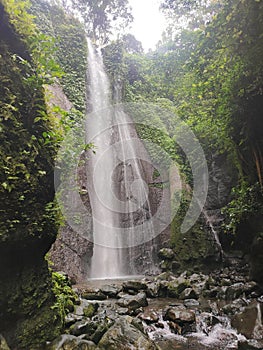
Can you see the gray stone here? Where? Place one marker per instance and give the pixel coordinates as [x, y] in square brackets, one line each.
[133, 302]
[188, 293]
[176, 287]
[90, 310]
[69, 342]
[70, 319]
[152, 290]
[245, 322]
[191, 303]
[134, 285]
[110, 290]
[235, 291]
[93, 294]
[179, 316]
[124, 335]
[235, 307]
[149, 316]
[250, 345]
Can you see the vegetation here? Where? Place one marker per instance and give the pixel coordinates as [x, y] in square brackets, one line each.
[207, 72]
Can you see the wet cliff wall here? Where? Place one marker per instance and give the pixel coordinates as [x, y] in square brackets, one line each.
[28, 215]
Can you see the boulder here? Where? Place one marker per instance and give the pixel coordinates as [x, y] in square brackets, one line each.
[133, 302]
[110, 290]
[191, 303]
[235, 291]
[83, 327]
[250, 345]
[93, 294]
[149, 316]
[70, 342]
[188, 293]
[90, 310]
[176, 287]
[246, 322]
[135, 285]
[179, 316]
[125, 336]
[152, 290]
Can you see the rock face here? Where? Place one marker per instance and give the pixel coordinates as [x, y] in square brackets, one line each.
[28, 223]
[200, 246]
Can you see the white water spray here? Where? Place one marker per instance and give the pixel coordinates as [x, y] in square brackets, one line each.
[116, 181]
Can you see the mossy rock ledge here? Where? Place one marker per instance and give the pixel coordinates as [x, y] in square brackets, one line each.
[27, 315]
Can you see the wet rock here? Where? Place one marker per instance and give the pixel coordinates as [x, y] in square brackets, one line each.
[222, 292]
[226, 282]
[162, 289]
[246, 321]
[70, 319]
[137, 323]
[179, 316]
[176, 287]
[235, 291]
[110, 290]
[101, 330]
[152, 290]
[69, 342]
[149, 316]
[125, 336]
[188, 293]
[90, 310]
[93, 294]
[166, 254]
[133, 302]
[235, 307]
[165, 276]
[175, 328]
[83, 327]
[3, 343]
[250, 345]
[256, 259]
[159, 325]
[206, 321]
[250, 287]
[191, 303]
[134, 285]
[212, 293]
[123, 311]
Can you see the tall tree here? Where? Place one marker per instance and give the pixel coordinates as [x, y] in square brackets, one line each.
[104, 17]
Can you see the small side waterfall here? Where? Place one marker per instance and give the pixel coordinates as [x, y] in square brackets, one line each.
[116, 180]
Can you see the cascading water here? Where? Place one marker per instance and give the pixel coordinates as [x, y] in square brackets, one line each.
[116, 181]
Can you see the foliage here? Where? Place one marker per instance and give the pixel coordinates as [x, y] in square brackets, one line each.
[247, 202]
[65, 297]
[210, 75]
[104, 17]
[71, 49]
[41, 46]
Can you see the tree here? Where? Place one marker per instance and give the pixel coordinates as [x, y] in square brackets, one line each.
[103, 18]
[191, 14]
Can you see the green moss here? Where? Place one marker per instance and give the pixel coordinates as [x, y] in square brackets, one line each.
[28, 225]
[90, 310]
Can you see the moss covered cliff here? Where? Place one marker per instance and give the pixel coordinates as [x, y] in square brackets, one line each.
[28, 215]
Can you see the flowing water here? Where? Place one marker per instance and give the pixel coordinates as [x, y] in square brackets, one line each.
[116, 180]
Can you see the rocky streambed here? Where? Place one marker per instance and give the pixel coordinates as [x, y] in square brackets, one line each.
[221, 310]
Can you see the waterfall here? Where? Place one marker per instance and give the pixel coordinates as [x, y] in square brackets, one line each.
[116, 181]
